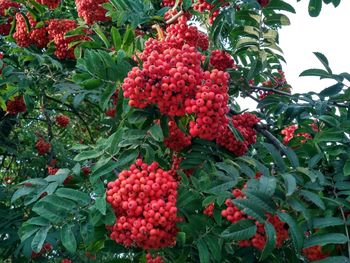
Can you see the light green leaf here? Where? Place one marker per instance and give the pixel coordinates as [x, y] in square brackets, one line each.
[68, 238]
[39, 239]
[290, 182]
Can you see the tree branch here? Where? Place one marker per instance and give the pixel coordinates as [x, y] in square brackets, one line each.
[262, 129]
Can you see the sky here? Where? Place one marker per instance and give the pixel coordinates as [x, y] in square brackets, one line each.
[328, 33]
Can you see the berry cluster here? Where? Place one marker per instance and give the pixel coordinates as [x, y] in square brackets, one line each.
[167, 79]
[202, 6]
[42, 146]
[91, 10]
[289, 133]
[5, 25]
[221, 60]
[209, 105]
[144, 201]
[170, 2]
[150, 259]
[279, 83]
[25, 36]
[177, 140]
[233, 214]
[57, 29]
[66, 260]
[46, 248]
[315, 253]
[244, 123]
[52, 4]
[62, 120]
[209, 209]
[16, 105]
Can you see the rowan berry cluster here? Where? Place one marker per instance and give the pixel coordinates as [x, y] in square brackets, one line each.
[42, 146]
[52, 4]
[221, 60]
[289, 133]
[233, 214]
[209, 209]
[243, 123]
[5, 6]
[177, 139]
[170, 2]
[15, 106]
[209, 105]
[150, 259]
[144, 201]
[57, 29]
[46, 248]
[66, 260]
[315, 253]
[62, 120]
[203, 6]
[279, 83]
[91, 10]
[25, 36]
[167, 80]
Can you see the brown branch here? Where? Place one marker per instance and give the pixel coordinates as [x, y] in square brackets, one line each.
[262, 129]
[174, 18]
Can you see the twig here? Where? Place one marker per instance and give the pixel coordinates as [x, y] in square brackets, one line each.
[262, 129]
[272, 90]
[174, 18]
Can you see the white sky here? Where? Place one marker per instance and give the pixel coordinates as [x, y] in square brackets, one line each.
[328, 33]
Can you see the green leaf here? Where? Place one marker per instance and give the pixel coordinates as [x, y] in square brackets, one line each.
[116, 38]
[270, 242]
[346, 168]
[324, 61]
[294, 231]
[242, 230]
[331, 121]
[92, 154]
[280, 5]
[335, 2]
[157, 133]
[214, 246]
[315, 160]
[308, 173]
[48, 212]
[104, 169]
[276, 156]
[101, 35]
[39, 239]
[127, 157]
[75, 195]
[314, 198]
[329, 136]
[23, 191]
[222, 187]
[325, 239]
[315, 7]
[203, 251]
[250, 208]
[314, 72]
[68, 239]
[322, 222]
[332, 90]
[27, 231]
[290, 182]
[101, 204]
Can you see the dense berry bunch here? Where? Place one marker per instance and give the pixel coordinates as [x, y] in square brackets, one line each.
[289, 133]
[315, 253]
[52, 4]
[170, 2]
[42, 146]
[233, 214]
[5, 25]
[221, 60]
[144, 201]
[203, 6]
[210, 105]
[150, 259]
[62, 120]
[167, 79]
[209, 209]
[57, 29]
[91, 10]
[25, 37]
[177, 139]
[180, 33]
[16, 105]
[244, 123]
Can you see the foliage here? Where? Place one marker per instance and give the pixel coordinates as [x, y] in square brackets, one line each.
[272, 186]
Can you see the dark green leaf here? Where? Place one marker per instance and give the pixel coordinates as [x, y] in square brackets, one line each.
[39, 238]
[290, 182]
[75, 195]
[270, 242]
[325, 239]
[68, 239]
[294, 231]
[242, 230]
[315, 7]
[203, 251]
